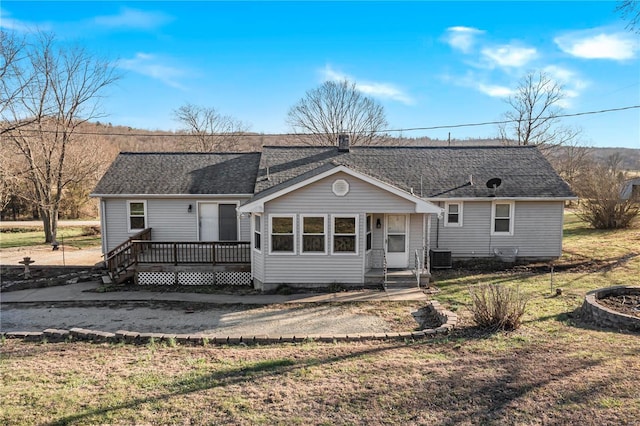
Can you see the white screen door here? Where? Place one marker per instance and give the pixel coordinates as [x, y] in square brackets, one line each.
[208, 220]
[397, 251]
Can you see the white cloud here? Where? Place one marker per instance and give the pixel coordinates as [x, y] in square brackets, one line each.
[462, 38]
[148, 65]
[596, 44]
[375, 89]
[8, 23]
[509, 56]
[573, 85]
[133, 18]
[493, 90]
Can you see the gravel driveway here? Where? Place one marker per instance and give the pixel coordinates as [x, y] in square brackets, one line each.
[273, 320]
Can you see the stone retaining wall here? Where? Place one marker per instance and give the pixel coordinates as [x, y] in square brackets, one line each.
[604, 317]
[448, 320]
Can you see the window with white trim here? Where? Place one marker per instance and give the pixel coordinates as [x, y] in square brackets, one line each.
[502, 218]
[345, 234]
[137, 212]
[283, 234]
[314, 234]
[257, 232]
[369, 238]
[453, 214]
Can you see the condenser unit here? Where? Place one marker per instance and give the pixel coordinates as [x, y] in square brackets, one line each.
[440, 258]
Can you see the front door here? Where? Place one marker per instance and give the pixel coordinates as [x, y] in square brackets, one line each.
[208, 221]
[218, 222]
[397, 240]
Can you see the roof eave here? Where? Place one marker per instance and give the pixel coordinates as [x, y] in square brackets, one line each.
[159, 196]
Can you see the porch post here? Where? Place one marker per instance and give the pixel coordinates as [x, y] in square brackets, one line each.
[427, 257]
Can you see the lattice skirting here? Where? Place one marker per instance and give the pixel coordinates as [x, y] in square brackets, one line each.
[156, 278]
[194, 278]
[233, 278]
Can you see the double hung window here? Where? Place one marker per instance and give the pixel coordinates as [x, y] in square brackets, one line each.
[137, 211]
[345, 234]
[283, 229]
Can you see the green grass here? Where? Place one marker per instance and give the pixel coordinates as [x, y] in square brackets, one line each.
[74, 236]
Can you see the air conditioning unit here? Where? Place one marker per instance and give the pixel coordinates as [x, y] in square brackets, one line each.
[440, 258]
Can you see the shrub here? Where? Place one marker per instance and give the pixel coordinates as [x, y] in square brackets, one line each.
[601, 203]
[497, 307]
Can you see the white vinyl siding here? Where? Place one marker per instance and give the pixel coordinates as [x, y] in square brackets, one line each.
[318, 198]
[245, 228]
[168, 218]
[537, 231]
[416, 222]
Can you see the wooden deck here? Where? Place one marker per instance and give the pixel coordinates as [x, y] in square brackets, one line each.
[140, 250]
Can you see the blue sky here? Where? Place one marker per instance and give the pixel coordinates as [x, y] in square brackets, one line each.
[428, 63]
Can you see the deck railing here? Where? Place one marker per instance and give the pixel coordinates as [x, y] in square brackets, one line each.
[139, 249]
[122, 256]
[172, 252]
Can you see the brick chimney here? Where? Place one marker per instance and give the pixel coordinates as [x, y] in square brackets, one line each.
[343, 143]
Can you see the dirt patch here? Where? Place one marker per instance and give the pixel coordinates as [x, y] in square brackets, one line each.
[43, 255]
[628, 304]
[230, 320]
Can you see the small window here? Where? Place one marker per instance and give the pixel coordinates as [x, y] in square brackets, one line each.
[314, 232]
[283, 234]
[453, 214]
[257, 232]
[345, 238]
[369, 235]
[137, 215]
[502, 218]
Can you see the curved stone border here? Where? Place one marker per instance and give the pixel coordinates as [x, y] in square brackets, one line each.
[448, 320]
[604, 317]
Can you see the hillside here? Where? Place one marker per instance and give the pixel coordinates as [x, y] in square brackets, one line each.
[136, 140]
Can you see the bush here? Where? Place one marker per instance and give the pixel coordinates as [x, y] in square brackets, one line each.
[601, 203]
[497, 307]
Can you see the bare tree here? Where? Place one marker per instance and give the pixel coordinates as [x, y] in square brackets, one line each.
[630, 10]
[571, 161]
[13, 79]
[335, 108]
[207, 130]
[533, 117]
[600, 191]
[59, 89]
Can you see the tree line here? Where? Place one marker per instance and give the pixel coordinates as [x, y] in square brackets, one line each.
[49, 92]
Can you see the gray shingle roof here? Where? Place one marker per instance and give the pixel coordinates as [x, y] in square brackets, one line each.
[441, 172]
[180, 173]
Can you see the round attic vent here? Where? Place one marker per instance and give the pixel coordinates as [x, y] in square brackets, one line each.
[340, 187]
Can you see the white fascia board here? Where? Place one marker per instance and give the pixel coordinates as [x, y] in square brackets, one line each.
[422, 206]
[502, 198]
[185, 196]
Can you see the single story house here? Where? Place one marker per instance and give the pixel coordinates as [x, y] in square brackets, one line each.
[315, 216]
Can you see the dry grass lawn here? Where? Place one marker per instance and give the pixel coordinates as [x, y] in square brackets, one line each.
[553, 370]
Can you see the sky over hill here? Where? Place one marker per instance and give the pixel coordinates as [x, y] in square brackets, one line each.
[428, 63]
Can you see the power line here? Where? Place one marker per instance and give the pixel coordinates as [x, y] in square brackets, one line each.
[486, 123]
[408, 129]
